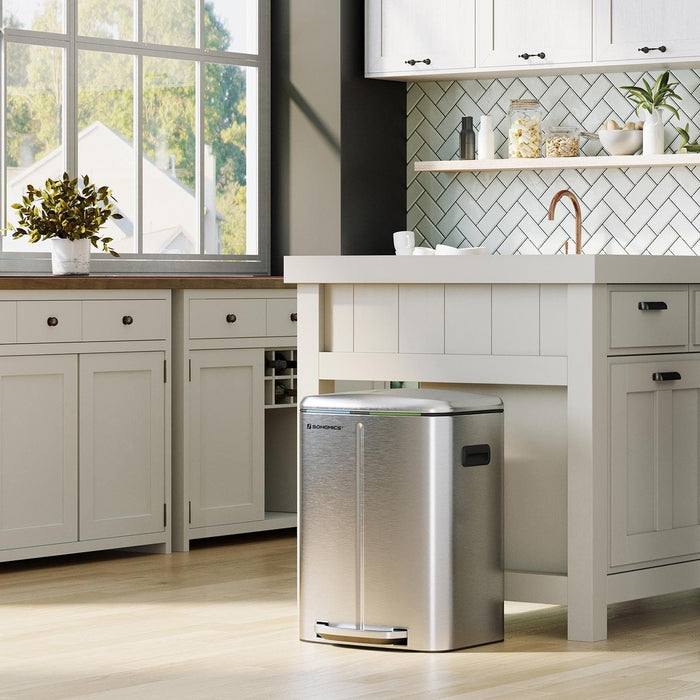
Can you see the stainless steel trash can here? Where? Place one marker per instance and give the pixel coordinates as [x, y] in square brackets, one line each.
[401, 525]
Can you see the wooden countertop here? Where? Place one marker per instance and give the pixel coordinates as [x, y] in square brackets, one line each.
[97, 281]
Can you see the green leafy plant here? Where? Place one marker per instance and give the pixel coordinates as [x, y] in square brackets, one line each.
[652, 97]
[62, 209]
[685, 145]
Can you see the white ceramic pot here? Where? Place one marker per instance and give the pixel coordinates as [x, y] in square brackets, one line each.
[653, 134]
[70, 257]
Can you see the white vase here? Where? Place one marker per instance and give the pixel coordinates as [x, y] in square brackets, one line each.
[485, 150]
[70, 257]
[653, 134]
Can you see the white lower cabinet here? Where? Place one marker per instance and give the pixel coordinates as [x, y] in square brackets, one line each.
[234, 410]
[84, 424]
[122, 446]
[655, 463]
[226, 418]
[38, 450]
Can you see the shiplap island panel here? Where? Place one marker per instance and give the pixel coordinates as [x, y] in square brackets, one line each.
[551, 335]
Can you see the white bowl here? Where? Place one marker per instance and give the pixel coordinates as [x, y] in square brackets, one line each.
[405, 251]
[450, 250]
[471, 251]
[623, 142]
[420, 250]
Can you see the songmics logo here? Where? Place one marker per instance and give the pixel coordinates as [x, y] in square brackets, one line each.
[315, 426]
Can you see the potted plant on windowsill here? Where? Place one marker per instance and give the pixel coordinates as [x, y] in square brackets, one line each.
[70, 217]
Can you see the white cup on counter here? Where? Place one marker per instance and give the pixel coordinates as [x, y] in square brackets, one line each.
[404, 240]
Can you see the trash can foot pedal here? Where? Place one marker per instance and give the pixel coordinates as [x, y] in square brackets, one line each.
[350, 634]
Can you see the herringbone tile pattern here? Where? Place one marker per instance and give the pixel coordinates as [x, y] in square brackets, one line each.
[634, 211]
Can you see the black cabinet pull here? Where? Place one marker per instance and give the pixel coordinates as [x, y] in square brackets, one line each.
[230, 318]
[647, 49]
[666, 376]
[52, 321]
[652, 305]
[413, 61]
[293, 317]
[526, 55]
[127, 320]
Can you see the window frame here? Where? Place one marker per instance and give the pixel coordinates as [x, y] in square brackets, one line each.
[147, 263]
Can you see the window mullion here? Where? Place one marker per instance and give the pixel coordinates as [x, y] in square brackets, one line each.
[70, 91]
[199, 150]
[138, 151]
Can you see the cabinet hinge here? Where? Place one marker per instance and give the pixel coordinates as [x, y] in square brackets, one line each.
[189, 506]
[165, 371]
[189, 371]
[165, 515]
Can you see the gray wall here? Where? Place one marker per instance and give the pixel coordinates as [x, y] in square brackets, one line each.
[338, 140]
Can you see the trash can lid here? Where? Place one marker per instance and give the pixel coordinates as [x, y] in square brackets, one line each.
[403, 402]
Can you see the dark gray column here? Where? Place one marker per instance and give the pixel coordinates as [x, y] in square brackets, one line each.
[338, 140]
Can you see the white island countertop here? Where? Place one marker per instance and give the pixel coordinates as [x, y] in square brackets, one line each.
[492, 269]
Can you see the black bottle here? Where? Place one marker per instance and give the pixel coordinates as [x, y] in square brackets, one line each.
[466, 139]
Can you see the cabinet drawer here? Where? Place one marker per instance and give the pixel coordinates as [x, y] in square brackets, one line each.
[48, 321]
[125, 319]
[8, 321]
[281, 316]
[227, 318]
[662, 322]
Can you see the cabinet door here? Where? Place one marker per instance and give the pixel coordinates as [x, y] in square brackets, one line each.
[506, 30]
[226, 434]
[655, 443]
[122, 444]
[38, 450]
[398, 31]
[623, 27]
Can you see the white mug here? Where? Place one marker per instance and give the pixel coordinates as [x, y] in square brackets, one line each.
[404, 239]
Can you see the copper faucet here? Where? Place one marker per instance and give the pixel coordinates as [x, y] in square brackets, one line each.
[577, 212]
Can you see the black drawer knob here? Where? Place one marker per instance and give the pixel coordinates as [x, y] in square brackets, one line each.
[413, 61]
[231, 318]
[652, 305]
[52, 321]
[539, 54]
[293, 317]
[647, 49]
[666, 376]
[127, 320]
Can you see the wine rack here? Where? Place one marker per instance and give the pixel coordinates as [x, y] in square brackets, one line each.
[280, 380]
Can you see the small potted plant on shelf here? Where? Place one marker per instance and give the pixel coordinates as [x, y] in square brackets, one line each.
[70, 216]
[652, 99]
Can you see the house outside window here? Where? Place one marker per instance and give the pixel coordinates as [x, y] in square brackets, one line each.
[166, 103]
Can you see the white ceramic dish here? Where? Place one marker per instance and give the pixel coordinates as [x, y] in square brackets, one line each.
[624, 142]
[405, 251]
[450, 250]
[471, 251]
[419, 250]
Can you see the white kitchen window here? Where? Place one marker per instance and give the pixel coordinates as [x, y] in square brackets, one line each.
[167, 103]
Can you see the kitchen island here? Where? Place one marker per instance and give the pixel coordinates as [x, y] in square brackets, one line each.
[597, 359]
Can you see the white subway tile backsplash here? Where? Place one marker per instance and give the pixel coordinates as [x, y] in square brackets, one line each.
[633, 211]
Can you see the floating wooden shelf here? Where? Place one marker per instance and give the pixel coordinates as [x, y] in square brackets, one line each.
[454, 166]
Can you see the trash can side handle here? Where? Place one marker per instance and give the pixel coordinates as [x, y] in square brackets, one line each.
[476, 455]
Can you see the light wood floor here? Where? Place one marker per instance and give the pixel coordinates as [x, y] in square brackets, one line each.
[220, 622]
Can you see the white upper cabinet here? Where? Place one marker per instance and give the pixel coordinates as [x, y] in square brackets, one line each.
[533, 33]
[414, 38]
[669, 29]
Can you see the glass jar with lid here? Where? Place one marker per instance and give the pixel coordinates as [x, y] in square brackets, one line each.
[561, 142]
[525, 130]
